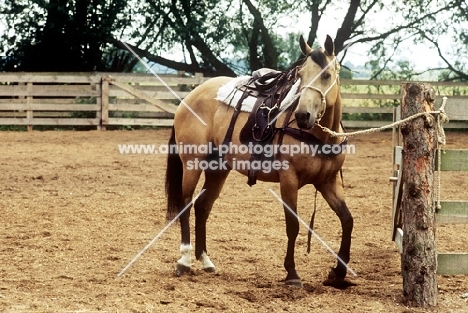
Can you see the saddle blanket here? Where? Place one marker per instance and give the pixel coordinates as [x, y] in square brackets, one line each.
[230, 94]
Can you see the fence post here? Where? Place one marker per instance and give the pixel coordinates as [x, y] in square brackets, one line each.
[104, 102]
[419, 259]
[99, 103]
[29, 101]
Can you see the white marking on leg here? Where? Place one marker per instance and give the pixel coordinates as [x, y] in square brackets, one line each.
[159, 234]
[186, 259]
[206, 262]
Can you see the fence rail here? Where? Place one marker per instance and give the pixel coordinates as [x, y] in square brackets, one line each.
[114, 99]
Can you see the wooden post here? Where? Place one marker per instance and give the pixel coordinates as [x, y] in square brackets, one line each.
[99, 103]
[104, 102]
[29, 101]
[419, 258]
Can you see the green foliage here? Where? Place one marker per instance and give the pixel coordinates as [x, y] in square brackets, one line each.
[13, 128]
[346, 73]
[116, 60]
[222, 37]
[84, 114]
[290, 52]
[59, 35]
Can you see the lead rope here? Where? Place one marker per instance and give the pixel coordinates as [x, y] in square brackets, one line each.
[441, 138]
[441, 118]
[438, 206]
[311, 225]
[377, 129]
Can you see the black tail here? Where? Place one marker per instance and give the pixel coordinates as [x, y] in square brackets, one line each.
[174, 172]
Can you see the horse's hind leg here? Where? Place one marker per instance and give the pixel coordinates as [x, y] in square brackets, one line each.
[333, 193]
[214, 181]
[189, 182]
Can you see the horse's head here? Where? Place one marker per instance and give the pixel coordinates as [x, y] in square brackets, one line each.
[319, 83]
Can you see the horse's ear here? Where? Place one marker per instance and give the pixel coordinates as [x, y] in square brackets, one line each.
[329, 46]
[305, 48]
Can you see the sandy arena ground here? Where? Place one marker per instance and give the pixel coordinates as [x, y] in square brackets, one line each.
[75, 212]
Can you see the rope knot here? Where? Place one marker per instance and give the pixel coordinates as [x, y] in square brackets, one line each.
[442, 117]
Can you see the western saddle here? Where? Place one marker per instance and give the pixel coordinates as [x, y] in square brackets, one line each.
[270, 87]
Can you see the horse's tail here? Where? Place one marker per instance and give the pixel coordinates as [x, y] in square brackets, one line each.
[174, 173]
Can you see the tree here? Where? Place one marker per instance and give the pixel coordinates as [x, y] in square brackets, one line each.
[197, 28]
[411, 20]
[223, 37]
[454, 55]
[60, 35]
[419, 257]
[254, 30]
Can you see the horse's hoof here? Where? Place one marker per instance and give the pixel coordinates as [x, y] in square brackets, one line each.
[181, 270]
[339, 283]
[336, 281]
[333, 276]
[294, 283]
[210, 269]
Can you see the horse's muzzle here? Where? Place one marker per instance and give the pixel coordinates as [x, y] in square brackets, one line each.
[304, 120]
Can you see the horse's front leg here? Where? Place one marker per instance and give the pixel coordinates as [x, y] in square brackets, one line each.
[289, 197]
[333, 193]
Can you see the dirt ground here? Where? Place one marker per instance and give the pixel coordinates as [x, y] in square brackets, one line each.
[75, 212]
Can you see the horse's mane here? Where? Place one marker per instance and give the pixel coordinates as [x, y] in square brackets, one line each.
[318, 56]
[297, 63]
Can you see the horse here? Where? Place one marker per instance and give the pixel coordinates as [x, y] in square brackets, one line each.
[318, 106]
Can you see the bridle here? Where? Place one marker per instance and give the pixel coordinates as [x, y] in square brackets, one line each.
[323, 94]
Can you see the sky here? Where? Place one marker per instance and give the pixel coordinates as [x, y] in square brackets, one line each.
[421, 56]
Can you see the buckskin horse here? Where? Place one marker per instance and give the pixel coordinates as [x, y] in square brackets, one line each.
[318, 104]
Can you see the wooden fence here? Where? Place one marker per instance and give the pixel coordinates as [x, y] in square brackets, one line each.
[114, 99]
[375, 97]
[451, 212]
[91, 99]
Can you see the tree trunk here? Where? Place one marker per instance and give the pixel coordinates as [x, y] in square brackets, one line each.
[419, 259]
[270, 56]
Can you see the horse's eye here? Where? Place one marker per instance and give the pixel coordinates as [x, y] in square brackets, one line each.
[326, 75]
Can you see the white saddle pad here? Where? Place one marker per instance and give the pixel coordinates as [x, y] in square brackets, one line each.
[230, 95]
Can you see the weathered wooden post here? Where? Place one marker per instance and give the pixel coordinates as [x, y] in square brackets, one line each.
[419, 259]
[29, 101]
[104, 102]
